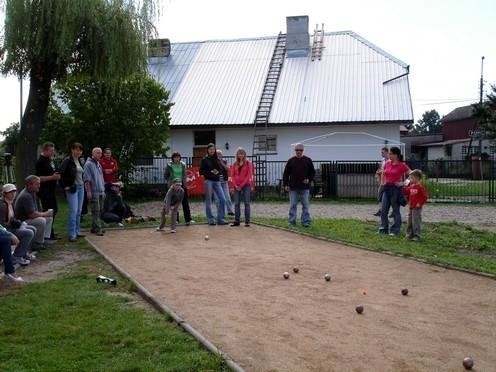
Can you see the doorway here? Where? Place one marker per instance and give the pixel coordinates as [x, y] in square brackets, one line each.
[201, 140]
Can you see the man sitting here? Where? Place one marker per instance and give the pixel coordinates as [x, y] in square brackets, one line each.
[26, 209]
[114, 208]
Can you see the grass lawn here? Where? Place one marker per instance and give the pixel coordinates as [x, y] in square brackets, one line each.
[452, 244]
[456, 187]
[73, 323]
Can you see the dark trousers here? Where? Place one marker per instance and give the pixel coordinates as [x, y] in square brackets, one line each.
[49, 201]
[6, 254]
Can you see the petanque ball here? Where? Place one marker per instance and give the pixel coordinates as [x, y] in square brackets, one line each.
[295, 269]
[468, 362]
[286, 275]
[359, 309]
[327, 276]
[206, 237]
[404, 291]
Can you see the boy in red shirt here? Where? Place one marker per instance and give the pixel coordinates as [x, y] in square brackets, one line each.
[417, 196]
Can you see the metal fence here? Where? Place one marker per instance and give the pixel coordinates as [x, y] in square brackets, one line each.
[445, 180]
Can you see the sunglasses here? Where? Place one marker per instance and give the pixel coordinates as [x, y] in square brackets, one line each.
[298, 150]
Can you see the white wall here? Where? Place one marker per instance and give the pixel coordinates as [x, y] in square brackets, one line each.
[342, 146]
[435, 152]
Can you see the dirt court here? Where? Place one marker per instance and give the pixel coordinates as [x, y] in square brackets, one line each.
[231, 289]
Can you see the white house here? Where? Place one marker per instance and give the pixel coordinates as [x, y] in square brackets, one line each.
[336, 92]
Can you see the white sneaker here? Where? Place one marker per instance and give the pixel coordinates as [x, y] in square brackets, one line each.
[30, 256]
[23, 261]
[120, 224]
[173, 231]
[191, 222]
[159, 228]
[14, 278]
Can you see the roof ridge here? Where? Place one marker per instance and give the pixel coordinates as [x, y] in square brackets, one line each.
[376, 48]
[226, 40]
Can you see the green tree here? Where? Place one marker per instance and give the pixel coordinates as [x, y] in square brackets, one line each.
[429, 124]
[47, 40]
[10, 134]
[486, 112]
[132, 118]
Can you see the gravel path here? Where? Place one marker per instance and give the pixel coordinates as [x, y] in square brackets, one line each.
[482, 216]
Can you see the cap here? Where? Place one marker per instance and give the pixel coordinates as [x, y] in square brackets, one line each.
[8, 187]
[177, 181]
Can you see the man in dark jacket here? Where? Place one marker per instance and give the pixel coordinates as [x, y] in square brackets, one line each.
[45, 169]
[298, 176]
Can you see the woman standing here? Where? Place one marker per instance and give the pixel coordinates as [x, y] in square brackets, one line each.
[210, 168]
[71, 172]
[392, 178]
[224, 182]
[242, 174]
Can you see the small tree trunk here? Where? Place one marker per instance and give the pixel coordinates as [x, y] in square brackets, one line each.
[33, 121]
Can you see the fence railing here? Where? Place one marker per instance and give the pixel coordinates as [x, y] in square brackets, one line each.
[445, 180]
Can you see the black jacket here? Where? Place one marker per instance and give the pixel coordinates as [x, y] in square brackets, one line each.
[208, 164]
[68, 172]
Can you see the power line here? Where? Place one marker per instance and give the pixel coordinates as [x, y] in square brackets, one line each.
[446, 102]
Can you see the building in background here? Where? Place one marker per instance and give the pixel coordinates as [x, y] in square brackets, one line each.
[336, 92]
[461, 138]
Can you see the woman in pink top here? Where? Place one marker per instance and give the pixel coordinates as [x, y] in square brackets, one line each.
[393, 175]
[242, 178]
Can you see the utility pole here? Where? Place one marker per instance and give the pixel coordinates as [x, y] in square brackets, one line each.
[20, 99]
[480, 129]
[481, 93]
[481, 80]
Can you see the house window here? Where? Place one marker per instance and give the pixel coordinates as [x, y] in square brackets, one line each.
[473, 150]
[265, 144]
[145, 160]
[492, 151]
[203, 138]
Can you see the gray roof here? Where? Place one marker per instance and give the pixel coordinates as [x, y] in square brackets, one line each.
[220, 83]
[460, 113]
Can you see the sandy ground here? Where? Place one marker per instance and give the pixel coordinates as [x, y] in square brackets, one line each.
[231, 289]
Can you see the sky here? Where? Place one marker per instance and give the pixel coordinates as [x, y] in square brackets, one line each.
[441, 40]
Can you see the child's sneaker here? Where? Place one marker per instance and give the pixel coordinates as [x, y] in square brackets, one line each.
[159, 228]
[173, 231]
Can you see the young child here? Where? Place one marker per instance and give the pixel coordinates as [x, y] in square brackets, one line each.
[173, 199]
[417, 196]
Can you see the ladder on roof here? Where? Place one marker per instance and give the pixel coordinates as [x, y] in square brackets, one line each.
[318, 42]
[260, 143]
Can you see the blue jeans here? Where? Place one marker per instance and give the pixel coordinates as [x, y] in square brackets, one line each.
[304, 197]
[243, 194]
[227, 197]
[75, 202]
[211, 187]
[390, 198]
